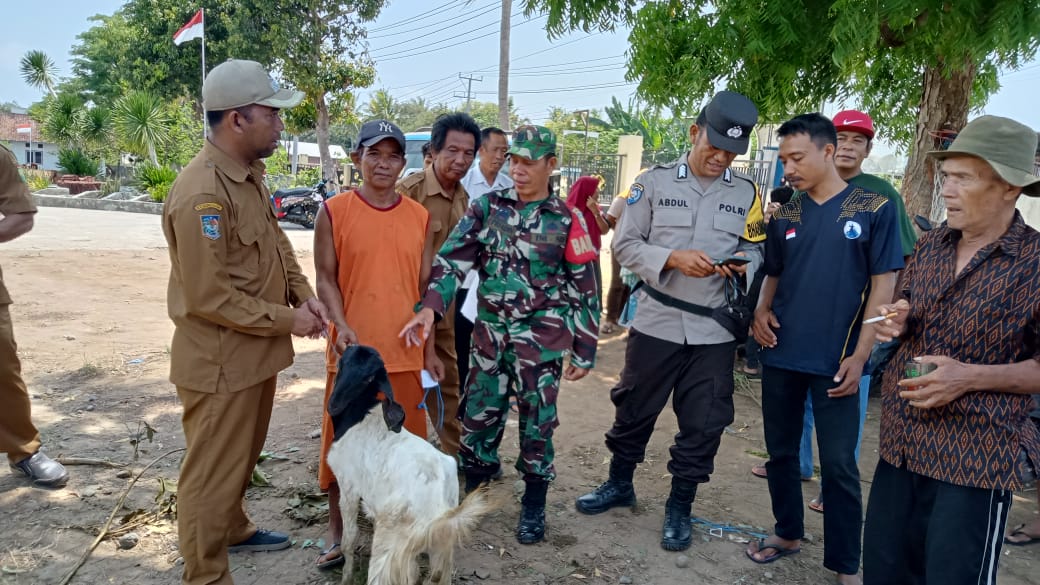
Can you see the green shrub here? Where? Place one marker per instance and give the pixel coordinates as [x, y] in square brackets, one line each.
[307, 177]
[156, 180]
[150, 175]
[37, 181]
[73, 161]
[160, 191]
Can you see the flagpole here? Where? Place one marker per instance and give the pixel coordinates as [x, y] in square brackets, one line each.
[205, 122]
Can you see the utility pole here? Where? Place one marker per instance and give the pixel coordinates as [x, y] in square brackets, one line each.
[469, 79]
[503, 66]
[585, 117]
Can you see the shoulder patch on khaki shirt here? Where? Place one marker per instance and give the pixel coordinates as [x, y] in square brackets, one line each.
[211, 205]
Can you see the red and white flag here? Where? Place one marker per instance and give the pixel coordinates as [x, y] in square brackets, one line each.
[192, 30]
[23, 128]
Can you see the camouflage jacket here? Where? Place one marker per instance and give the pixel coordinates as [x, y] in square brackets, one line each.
[528, 290]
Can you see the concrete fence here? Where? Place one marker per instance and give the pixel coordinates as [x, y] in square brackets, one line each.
[47, 200]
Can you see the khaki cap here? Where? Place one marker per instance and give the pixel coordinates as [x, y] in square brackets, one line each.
[1008, 146]
[236, 83]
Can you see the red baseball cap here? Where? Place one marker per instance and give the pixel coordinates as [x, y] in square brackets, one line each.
[855, 121]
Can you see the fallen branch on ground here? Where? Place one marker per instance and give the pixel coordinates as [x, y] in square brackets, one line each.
[89, 461]
[119, 505]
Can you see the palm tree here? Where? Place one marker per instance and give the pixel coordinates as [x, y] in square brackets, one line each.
[142, 121]
[382, 105]
[39, 71]
[63, 119]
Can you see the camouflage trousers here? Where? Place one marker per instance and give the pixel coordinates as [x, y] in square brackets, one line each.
[523, 368]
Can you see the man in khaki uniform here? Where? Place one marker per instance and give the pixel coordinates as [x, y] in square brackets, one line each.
[18, 437]
[454, 140]
[233, 282]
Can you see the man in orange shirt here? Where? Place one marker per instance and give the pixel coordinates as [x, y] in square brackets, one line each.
[372, 253]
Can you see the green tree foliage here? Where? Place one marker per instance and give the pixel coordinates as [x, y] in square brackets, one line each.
[319, 47]
[133, 48]
[73, 161]
[915, 66]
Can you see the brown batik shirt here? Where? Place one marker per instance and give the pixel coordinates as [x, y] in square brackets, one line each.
[987, 314]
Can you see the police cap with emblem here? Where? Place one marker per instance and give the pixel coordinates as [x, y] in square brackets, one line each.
[375, 131]
[729, 118]
[236, 83]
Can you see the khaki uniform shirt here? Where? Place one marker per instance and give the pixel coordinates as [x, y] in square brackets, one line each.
[14, 198]
[233, 277]
[446, 209]
[668, 210]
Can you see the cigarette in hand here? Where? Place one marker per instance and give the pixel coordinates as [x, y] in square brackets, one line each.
[879, 319]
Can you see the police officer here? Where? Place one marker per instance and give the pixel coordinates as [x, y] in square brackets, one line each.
[18, 437]
[234, 281]
[536, 303]
[680, 219]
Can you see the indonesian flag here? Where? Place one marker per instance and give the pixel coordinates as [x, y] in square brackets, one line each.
[23, 128]
[192, 30]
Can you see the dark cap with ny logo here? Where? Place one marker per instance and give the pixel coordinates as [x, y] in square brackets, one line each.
[375, 131]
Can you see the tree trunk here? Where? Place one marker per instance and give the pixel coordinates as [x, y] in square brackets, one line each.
[503, 66]
[944, 104]
[328, 166]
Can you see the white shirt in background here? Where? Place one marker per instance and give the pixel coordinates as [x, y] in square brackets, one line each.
[476, 185]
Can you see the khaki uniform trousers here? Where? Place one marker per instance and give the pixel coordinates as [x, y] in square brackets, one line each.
[18, 437]
[450, 432]
[224, 432]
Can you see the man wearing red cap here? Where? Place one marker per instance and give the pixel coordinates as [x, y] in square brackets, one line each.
[855, 140]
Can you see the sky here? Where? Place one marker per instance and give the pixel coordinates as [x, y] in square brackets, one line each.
[576, 71]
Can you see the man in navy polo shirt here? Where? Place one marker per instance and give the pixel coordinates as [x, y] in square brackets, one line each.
[831, 256]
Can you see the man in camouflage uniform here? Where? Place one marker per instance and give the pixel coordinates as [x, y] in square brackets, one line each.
[536, 302]
[683, 221]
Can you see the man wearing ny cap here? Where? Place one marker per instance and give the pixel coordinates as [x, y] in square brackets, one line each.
[957, 441]
[372, 253]
[236, 295]
[536, 302]
[682, 218]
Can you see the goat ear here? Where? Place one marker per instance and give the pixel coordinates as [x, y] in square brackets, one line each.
[393, 415]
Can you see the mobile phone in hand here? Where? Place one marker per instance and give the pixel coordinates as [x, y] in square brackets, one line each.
[733, 261]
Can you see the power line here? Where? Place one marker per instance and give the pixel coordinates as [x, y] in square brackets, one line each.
[574, 88]
[574, 71]
[427, 46]
[494, 68]
[453, 43]
[462, 17]
[416, 17]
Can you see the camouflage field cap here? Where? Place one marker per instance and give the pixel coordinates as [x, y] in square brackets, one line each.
[533, 142]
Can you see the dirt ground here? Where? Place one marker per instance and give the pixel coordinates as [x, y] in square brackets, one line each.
[93, 333]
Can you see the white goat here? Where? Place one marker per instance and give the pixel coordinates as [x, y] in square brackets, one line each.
[408, 488]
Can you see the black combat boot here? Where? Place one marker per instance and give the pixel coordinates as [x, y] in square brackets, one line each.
[676, 534]
[617, 491]
[475, 479]
[531, 528]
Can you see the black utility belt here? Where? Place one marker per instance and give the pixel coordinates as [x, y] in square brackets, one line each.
[669, 300]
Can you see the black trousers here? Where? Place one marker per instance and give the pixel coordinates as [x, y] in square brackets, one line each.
[463, 336]
[699, 378]
[837, 427]
[922, 531]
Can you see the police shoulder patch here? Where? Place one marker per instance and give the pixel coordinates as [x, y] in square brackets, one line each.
[209, 205]
[210, 226]
[635, 193]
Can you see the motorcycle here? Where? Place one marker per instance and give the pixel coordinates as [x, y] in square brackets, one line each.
[299, 205]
